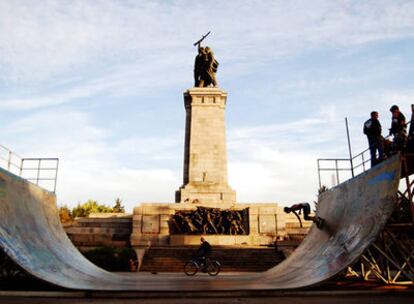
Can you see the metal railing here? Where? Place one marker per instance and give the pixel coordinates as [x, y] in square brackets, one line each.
[40, 171]
[344, 168]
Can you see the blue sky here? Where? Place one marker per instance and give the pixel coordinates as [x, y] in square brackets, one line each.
[99, 84]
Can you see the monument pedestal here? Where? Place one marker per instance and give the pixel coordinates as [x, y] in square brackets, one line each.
[211, 195]
[205, 153]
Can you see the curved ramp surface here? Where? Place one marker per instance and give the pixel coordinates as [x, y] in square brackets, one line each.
[355, 212]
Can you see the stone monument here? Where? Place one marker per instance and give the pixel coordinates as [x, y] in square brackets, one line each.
[205, 153]
[205, 203]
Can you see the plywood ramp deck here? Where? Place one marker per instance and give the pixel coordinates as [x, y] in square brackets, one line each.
[354, 211]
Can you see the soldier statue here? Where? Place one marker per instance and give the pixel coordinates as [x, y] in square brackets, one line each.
[205, 66]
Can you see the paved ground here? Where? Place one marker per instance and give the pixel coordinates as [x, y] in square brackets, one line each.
[337, 299]
[337, 292]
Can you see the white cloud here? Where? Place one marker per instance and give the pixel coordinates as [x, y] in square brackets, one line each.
[59, 130]
[282, 177]
[78, 183]
[58, 56]
[402, 97]
[270, 162]
[91, 165]
[48, 38]
[122, 82]
[276, 129]
[265, 163]
[277, 162]
[154, 147]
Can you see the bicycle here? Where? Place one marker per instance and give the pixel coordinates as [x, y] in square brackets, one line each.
[212, 267]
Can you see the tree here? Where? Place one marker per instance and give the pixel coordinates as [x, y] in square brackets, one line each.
[65, 214]
[118, 208]
[90, 206]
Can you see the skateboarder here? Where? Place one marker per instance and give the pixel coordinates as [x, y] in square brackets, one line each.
[306, 211]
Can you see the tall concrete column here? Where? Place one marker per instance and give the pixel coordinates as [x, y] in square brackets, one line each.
[205, 153]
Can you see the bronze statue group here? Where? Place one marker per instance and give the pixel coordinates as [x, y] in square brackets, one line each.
[209, 221]
[205, 66]
[380, 147]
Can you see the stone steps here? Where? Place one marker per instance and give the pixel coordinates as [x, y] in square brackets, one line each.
[232, 259]
[101, 231]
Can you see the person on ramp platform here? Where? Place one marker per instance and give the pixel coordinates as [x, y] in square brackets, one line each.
[398, 128]
[372, 129]
[305, 207]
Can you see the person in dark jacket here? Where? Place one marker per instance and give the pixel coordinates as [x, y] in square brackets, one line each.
[372, 129]
[204, 250]
[410, 141]
[398, 129]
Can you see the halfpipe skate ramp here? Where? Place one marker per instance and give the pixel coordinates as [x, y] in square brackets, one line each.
[354, 212]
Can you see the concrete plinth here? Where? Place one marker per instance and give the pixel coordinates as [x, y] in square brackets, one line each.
[205, 154]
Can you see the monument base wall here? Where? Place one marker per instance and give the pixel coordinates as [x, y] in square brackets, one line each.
[267, 222]
[100, 229]
[149, 225]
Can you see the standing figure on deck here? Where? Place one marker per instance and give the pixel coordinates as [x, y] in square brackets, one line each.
[410, 141]
[205, 66]
[398, 129]
[372, 129]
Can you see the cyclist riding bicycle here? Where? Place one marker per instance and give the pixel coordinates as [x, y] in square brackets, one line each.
[201, 261]
[203, 251]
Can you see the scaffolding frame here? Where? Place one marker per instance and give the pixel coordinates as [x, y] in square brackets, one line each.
[390, 259]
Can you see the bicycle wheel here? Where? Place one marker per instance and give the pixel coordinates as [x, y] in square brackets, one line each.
[190, 268]
[213, 268]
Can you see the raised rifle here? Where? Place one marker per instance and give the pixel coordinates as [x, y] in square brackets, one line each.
[202, 38]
